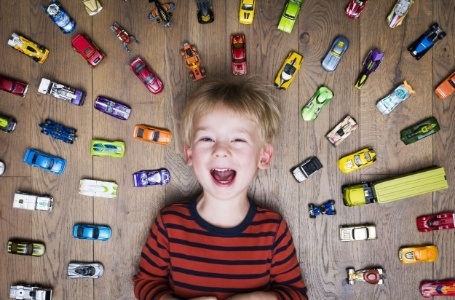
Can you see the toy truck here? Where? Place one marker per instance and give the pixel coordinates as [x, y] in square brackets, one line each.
[389, 190]
[30, 292]
[32, 202]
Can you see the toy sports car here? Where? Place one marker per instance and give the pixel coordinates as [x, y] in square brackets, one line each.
[320, 99]
[37, 52]
[28, 292]
[426, 41]
[123, 35]
[151, 177]
[162, 12]
[44, 161]
[107, 148]
[204, 11]
[60, 17]
[61, 91]
[399, 11]
[410, 255]
[306, 168]
[335, 53]
[355, 8]
[192, 61]
[370, 64]
[7, 124]
[357, 233]
[328, 208]
[112, 108]
[419, 131]
[370, 275]
[145, 74]
[435, 288]
[289, 70]
[342, 131]
[152, 134]
[289, 15]
[26, 248]
[87, 49]
[389, 102]
[92, 232]
[436, 222]
[246, 11]
[13, 86]
[58, 131]
[447, 87]
[238, 51]
[98, 188]
[85, 270]
[360, 159]
[92, 7]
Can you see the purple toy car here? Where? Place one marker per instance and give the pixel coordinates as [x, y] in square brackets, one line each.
[370, 64]
[112, 108]
[151, 177]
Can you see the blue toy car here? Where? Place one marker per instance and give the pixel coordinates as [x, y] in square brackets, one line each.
[328, 208]
[92, 232]
[58, 131]
[151, 177]
[426, 41]
[45, 161]
[60, 17]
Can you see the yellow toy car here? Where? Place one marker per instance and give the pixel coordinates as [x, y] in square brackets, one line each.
[288, 70]
[37, 52]
[353, 162]
[410, 255]
[26, 248]
[107, 148]
[246, 12]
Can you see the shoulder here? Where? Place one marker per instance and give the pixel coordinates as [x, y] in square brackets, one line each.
[267, 220]
[176, 213]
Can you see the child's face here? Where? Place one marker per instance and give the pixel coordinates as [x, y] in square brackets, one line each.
[226, 152]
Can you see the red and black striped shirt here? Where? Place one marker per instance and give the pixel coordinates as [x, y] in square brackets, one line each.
[187, 257]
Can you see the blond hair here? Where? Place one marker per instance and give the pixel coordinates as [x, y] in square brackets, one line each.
[247, 98]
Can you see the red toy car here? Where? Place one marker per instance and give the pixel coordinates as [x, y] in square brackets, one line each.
[238, 49]
[13, 86]
[355, 8]
[147, 76]
[435, 222]
[434, 288]
[89, 51]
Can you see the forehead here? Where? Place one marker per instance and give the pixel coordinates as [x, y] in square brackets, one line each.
[222, 117]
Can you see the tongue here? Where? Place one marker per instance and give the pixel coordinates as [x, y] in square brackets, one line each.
[223, 176]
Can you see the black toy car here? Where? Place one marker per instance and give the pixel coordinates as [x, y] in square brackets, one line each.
[426, 41]
[306, 168]
[204, 11]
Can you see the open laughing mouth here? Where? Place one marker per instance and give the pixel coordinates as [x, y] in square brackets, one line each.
[223, 176]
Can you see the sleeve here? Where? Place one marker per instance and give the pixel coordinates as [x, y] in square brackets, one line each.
[287, 281]
[151, 280]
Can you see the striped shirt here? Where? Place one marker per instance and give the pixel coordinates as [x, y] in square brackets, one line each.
[187, 257]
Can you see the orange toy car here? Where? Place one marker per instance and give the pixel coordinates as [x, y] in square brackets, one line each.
[192, 61]
[447, 87]
[152, 134]
[416, 254]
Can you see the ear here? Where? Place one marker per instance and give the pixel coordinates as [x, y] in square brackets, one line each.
[266, 156]
[188, 155]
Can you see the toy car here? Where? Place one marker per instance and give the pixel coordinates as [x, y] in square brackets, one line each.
[342, 131]
[87, 49]
[30, 292]
[7, 124]
[85, 270]
[419, 131]
[192, 61]
[435, 288]
[123, 35]
[370, 275]
[145, 74]
[162, 12]
[306, 168]
[355, 8]
[355, 161]
[289, 15]
[335, 53]
[289, 70]
[416, 254]
[447, 87]
[246, 11]
[112, 108]
[328, 208]
[205, 13]
[32, 202]
[2, 167]
[58, 131]
[37, 52]
[319, 100]
[60, 17]
[26, 248]
[92, 7]
[13, 86]
[151, 177]
[238, 51]
[389, 102]
[44, 161]
[98, 188]
[357, 233]
[92, 232]
[436, 222]
[399, 12]
[426, 41]
[61, 91]
[151, 134]
[107, 148]
[370, 64]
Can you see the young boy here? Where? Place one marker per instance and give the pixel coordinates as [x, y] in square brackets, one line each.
[221, 245]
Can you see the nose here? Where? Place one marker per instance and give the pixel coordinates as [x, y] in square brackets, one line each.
[220, 150]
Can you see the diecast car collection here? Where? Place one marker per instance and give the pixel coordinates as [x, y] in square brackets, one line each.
[61, 91]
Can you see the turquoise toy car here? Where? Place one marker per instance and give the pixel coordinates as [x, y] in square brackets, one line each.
[319, 100]
[420, 130]
[289, 16]
[92, 232]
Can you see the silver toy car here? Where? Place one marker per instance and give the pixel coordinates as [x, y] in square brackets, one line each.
[30, 292]
[85, 270]
[333, 56]
[401, 93]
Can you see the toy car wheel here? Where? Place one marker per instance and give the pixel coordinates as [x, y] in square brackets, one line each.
[434, 26]
[35, 58]
[203, 72]
[442, 35]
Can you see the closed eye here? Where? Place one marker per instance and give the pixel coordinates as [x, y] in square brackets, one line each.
[206, 139]
[239, 140]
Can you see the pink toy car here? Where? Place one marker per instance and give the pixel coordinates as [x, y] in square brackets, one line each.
[435, 222]
[434, 288]
[147, 76]
[355, 8]
[89, 51]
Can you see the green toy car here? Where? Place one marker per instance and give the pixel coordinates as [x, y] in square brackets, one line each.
[289, 16]
[319, 100]
[107, 148]
[420, 130]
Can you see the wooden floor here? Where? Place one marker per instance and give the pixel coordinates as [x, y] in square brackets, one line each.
[323, 257]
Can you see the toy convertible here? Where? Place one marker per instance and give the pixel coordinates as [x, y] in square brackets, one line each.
[426, 41]
[370, 64]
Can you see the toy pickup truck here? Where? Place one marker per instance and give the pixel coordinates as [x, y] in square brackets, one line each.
[30, 292]
[32, 202]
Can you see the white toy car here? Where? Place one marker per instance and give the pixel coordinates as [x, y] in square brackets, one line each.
[358, 233]
[97, 188]
[32, 202]
[85, 270]
[341, 131]
[371, 275]
[61, 91]
[2, 167]
[30, 292]
[401, 93]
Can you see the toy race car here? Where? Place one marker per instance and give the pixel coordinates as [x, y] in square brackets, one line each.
[44, 161]
[370, 275]
[399, 11]
[289, 15]
[92, 7]
[61, 91]
[151, 134]
[28, 292]
[355, 161]
[435, 288]
[333, 57]
[87, 49]
[107, 148]
[238, 51]
[13, 86]
[246, 11]
[58, 131]
[192, 61]
[419, 131]
[37, 52]
[389, 102]
[355, 8]
[123, 35]
[358, 233]
[98, 188]
[112, 108]
[417, 254]
[320, 99]
[328, 208]
[85, 270]
[426, 41]
[342, 131]
[29, 248]
[205, 13]
[60, 17]
[146, 75]
[370, 64]
[306, 168]
[7, 124]
[447, 87]
[289, 70]
[162, 12]
[436, 222]
[92, 232]
[151, 177]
